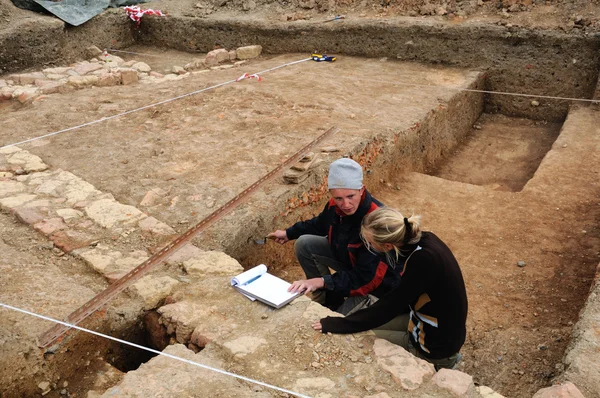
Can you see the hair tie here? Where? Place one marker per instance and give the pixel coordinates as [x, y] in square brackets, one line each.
[407, 231]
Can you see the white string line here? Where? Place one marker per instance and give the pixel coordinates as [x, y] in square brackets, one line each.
[224, 372]
[131, 52]
[400, 83]
[145, 106]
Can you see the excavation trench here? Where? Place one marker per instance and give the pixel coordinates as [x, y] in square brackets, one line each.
[478, 167]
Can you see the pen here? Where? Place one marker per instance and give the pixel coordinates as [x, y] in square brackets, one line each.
[252, 280]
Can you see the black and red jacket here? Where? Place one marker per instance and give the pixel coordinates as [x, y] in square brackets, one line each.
[366, 272]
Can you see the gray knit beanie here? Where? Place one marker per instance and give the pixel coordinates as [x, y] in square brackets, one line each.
[345, 173]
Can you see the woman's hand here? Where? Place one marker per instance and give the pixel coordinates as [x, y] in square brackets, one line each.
[317, 326]
[306, 286]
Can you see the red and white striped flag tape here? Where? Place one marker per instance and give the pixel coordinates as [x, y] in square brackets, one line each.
[135, 13]
[247, 76]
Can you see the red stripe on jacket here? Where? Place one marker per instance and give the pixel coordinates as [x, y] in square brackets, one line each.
[376, 281]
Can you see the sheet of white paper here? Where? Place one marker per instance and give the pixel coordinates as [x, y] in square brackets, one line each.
[270, 288]
[252, 273]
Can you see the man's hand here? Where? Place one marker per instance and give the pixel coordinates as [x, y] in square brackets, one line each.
[317, 326]
[279, 236]
[306, 286]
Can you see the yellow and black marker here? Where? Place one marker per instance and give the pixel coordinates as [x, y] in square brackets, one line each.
[322, 58]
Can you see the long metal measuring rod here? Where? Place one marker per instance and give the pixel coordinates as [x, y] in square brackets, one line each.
[55, 334]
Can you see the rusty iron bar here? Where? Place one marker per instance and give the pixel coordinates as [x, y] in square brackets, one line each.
[54, 335]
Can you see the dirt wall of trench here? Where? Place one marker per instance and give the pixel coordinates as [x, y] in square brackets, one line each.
[43, 41]
[514, 59]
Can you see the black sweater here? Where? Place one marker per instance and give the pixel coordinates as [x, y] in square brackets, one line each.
[432, 285]
[366, 272]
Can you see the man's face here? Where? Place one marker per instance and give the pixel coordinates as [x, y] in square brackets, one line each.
[347, 199]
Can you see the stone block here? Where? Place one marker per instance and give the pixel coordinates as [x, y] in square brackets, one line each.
[153, 289]
[249, 52]
[69, 214]
[29, 215]
[487, 392]
[27, 161]
[56, 71]
[69, 240]
[128, 76]
[232, 55]
[108, 79]
[109, 213]
[212, 263]
[12, 202]
[185, 253]
[210, 60]
[52, 87]
[457, 382]
[153, 197]
[141, 67]
[50, 226]
[407, 370]
[84, 69]
[29, 78]
[28, 95]
[92, 51]
[566, 390]
[82, 81]
[11, 187]
[221, 55]
[2, 83]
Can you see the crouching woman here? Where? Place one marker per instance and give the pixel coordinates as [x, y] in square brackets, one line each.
[427, 312]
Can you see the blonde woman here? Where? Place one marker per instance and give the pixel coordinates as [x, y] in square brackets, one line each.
[427, 312]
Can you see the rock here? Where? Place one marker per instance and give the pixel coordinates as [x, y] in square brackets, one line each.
[50, 226]
[212, 263]
[155, 74]
[141, 67]
[185, 253]
[380, 395]
[92, 51]
[82, 81]
[109, 213]
[458, 383]
[44, 387]
[113, 60]
[153, 289]
[52, 87]
[128, 76]
[2, 83]
[56, 71]
[566, 390]
[28, 78]
[28, 95]
[178, 70]
[221, 55]
[68, 214]
[487, 392]
[535, 103]
[84, 69]
[11, 187]
[70, 240]
[108, 79]
[199, 338]
[521, 263]
[153, 196]
[128, 64]
[12, 202]
[248, 5]
[195, 64]
[232, 55]
[249, 52]
[409, 371]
